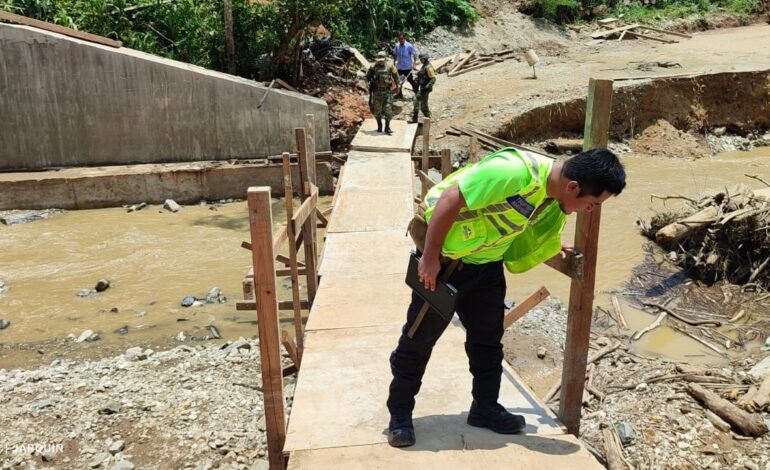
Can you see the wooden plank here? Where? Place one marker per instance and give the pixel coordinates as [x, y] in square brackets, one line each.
[354, 254]
[462, 62]
[426, 180]
[282, 305]
[610, 32]
[361, 59]
[291, 348]
[366, 209]
[54, 28]
[474, 149]
[285, 85]
[473, 67]
[596, 135]
[287, 261]
[369, 140]
[308, 227]
[326, 400]
[673, 33]
[492, 451]
[653, 38]
[307, 209]
[341, 297]
[438, 63]
[287, 272]
[569, 263]
[280, 238]
[525, 306]
[261, 227]
[288, 194]
[230, 41]
[425, 151]
[323, 222]
[446, 163]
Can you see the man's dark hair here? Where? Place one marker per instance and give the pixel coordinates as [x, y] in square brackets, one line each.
[596, 171]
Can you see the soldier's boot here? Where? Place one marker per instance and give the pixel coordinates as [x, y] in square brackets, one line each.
[379, 125]
[387, 127]
[413, 120]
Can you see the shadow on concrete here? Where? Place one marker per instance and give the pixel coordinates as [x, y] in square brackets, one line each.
[437, 433]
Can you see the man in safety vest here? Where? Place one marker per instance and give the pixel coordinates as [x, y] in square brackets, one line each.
[382, 76]
[507, 210]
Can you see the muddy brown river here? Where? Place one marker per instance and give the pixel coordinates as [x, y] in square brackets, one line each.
[155, 258]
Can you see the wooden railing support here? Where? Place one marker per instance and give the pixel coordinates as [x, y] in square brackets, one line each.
[596, 135]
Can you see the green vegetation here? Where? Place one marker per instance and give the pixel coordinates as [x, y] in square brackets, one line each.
[568, 11]
[267, 33]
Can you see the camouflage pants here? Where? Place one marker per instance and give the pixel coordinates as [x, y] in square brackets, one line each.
[382, 105]
[421, 104]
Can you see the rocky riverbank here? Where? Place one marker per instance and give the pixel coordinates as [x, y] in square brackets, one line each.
[189, 407]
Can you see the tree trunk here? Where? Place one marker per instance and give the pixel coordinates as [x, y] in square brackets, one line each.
[748, 424]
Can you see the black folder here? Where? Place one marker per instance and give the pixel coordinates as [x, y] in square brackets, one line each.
[442, 300]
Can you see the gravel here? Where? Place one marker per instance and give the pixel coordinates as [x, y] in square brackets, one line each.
[125, 412]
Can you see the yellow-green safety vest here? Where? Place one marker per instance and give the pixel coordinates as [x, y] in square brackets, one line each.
[530, 239]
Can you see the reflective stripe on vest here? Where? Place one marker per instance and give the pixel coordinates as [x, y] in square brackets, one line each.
[497, 224]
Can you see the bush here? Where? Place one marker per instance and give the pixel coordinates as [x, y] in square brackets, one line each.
[264, 32]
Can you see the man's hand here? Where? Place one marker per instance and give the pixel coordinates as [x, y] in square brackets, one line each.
[428, 269]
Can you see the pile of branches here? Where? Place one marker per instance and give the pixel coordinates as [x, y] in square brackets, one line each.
[725, 236]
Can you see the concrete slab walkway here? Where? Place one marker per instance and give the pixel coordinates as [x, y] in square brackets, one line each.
[339, 418]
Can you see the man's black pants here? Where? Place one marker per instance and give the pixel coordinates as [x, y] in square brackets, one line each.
[481, 308]
[409, 78]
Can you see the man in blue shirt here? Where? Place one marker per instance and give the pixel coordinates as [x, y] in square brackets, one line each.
[406, 55]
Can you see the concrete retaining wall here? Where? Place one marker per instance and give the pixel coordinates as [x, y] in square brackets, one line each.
[66, 102]
[186, 183]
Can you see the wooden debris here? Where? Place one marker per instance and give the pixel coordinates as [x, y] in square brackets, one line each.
[748, 424]
[619, 312]
[564, 145]
[680, 317]
[634, 30]
[613, 449]
[55, 28]
[476, 60]
[684, 228]
[525, 306]
[591, 359]
[761, 399]
[658, 321]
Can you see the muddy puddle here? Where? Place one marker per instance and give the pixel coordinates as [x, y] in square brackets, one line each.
[155, 258]
[620, 244]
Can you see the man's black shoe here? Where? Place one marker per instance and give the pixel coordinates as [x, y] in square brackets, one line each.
[379, 125]
[496, 418]
[388, 130]
[401, 431]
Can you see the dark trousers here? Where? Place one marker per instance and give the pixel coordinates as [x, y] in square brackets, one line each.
[409, 78]
[481, 308]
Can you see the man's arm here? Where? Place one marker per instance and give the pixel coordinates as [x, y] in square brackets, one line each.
[447, 208]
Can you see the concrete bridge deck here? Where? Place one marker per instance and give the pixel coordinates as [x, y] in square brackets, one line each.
[339, 418]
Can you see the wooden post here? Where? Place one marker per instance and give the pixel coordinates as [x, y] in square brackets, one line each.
[308, 227]
[230, 39]
[261, 226]
[474, 149]
[596, 135]
[446, 163]
[288, 191]
[425, 150]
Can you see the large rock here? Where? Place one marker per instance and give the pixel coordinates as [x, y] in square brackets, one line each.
[102, 285]
[88, 336]
[172, 206]
[135, 354]
[760, 370]
[4, 324]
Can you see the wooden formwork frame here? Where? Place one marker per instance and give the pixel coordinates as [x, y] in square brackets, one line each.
[259, 286]
[578, 264]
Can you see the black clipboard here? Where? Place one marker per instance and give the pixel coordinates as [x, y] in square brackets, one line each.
[442, 300]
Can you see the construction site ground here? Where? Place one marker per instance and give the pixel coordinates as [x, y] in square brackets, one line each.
[163, 421]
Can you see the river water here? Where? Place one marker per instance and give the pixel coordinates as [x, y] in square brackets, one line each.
[155, 258]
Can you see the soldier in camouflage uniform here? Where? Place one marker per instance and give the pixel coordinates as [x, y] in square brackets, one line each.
[381, 76]
[426, 78]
